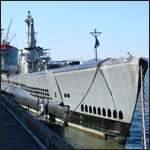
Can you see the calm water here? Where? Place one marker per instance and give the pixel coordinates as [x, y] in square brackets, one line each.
[83, 140]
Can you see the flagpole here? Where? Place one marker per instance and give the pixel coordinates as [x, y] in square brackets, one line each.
[96, 34]
[95, 54]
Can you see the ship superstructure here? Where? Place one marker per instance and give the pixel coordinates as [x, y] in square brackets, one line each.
[33, 58]
[98, 97]
[9, 55]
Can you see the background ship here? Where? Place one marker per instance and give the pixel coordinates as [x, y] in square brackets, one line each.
[98, 97]
[9, 55]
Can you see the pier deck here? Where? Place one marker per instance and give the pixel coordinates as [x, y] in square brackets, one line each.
[13, 135]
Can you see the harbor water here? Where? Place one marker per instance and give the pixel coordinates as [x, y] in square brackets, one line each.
[83, 140]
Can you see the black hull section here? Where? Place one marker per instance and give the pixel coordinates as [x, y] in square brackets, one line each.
[113, 129]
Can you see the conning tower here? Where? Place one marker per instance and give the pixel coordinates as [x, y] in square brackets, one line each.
[33, 58]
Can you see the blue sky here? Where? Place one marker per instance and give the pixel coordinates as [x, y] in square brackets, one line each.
[64, 26]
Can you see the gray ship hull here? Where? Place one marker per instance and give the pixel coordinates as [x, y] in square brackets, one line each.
[99, 97]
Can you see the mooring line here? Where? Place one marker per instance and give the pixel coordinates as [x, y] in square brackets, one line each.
[86, 92]
[108, 89]
[10, 83]
[143, 117]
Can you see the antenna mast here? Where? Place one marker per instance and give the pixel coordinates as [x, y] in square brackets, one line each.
[96, 34]
[31, 37]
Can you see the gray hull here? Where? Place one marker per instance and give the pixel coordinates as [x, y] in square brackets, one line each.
[101, 97]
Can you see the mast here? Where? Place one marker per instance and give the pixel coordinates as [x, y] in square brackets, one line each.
[96, 34]
[8, 31]
[30, 23]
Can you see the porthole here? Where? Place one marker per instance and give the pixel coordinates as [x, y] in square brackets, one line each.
[68, 95]
[99, 111]
[120, 115]
[90, 109]
[94, 110]
[65, 95]
[86, 108]
[114, 114]
[82, 107]
[109, 113]
[104, 112]
[55, 95]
